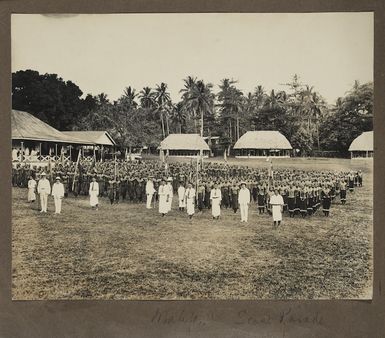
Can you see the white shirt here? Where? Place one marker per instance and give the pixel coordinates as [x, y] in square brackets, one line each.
[181, 191]
[190, 193]
[150, 187]
[58, 189]
[32, 184]
[94, 188]
[170, 190]
[216, 193]
[44, 186]
[244, 196]
[276, 200]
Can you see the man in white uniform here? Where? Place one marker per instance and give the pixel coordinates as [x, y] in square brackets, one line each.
[149, 192]
[58, 194]
[190, 200]
[276, 202]
[170, 193]
[43, 189]
[163, 198]
[181, 192]
[94, 193]
[216, 198]
[244, 201]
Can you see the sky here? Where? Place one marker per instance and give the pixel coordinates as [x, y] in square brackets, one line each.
[109, 52]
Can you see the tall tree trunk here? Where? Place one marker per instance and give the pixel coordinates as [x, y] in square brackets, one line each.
[317, 131]
[202, 123]
[231, 135]
[161, 119]
[167, 127]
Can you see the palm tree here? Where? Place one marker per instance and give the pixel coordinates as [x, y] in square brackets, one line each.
[147, 98]
[188, 105]
[231, 100]
[102, 98]
[128, 97]
[163, 100]
[178, 116]
[202, 99]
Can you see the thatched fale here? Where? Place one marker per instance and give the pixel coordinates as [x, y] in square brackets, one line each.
[184, 142]
[28, 127]
[97, 137]
[364, 142]
[263, 139]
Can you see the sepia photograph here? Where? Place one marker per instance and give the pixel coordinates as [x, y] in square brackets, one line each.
[192, 156]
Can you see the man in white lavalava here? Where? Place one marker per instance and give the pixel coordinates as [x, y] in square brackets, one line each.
[276, 202]
[94, 194]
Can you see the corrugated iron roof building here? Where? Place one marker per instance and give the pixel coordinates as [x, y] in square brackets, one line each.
[96, 137]
[25, 126]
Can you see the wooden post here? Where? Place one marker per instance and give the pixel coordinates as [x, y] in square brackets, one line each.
[40, 150]
[115, 166]
[76, 169]
[55, 149]
[21, 152]
[70, 148]
[196, 181]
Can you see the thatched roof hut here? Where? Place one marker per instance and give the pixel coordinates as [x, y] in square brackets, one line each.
[185, 145]
[263, 143]
[362, 146]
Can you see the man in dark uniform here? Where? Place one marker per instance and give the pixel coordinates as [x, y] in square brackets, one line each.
[225, 195]
[201, 195]
[261, 199]
[234, 197]
[343, 191]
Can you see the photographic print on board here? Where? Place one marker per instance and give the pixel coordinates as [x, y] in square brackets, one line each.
[192, 156]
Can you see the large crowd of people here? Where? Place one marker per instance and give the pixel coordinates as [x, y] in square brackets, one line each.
[217, 186]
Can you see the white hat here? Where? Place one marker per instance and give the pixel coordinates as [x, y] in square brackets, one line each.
[43, 174]
[57, 178]
[169, 179]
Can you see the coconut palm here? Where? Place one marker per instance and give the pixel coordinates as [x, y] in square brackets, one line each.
[163, 100]
[128, 98]
[178, 116]
[202, 100]
[147, 98]
[187, 104]
[231, 103]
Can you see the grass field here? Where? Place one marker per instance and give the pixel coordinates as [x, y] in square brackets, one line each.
[127, 252]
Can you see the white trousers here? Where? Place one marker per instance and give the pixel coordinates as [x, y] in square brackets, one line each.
[43, 201]
[149, 200]
[57, 204]
[244, 211]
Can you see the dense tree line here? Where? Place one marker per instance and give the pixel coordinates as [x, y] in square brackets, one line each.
[147, 116]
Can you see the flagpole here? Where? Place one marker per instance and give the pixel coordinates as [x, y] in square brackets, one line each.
[76, 169]
[196, 181]
[115, 166]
